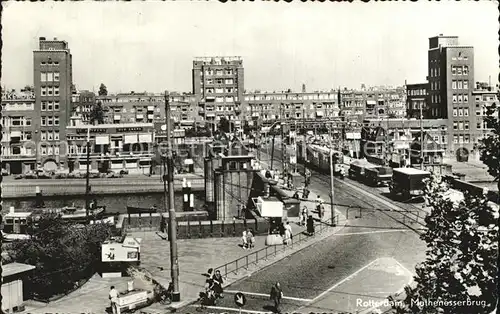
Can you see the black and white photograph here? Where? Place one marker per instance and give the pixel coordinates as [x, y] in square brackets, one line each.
[250, 157]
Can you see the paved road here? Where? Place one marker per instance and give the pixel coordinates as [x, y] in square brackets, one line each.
[370, 259]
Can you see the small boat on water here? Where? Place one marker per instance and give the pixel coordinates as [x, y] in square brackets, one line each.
[141, 210]
[72, 213]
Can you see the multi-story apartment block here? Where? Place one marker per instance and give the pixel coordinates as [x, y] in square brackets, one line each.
[451, 79]
[149, 108]
[82, 104]
[113, 147]
[18, 131]
[484, 96]
[373, 103]
[267, 107]
[417, 100]
[218, 87]
[52, 68]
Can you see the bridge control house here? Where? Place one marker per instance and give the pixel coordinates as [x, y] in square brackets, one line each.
[113, 147]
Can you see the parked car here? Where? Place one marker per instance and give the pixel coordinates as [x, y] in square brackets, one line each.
[5, 172]
[113, 174]
[123, 171]
[30, 175]
[61, 175]
[41, 174]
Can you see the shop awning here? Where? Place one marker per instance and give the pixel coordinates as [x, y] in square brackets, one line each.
[102, 140]
[130, 139]
[145, 138]
[151, 108]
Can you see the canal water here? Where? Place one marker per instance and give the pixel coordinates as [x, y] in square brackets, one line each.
[113, 203]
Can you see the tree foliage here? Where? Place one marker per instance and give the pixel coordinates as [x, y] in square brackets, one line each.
[103, 90]
[63, 254]
[97, 113]
[225, 125]
[462, 250]
[490, 146]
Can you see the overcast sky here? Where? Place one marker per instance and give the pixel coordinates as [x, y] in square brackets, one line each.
[150, 46]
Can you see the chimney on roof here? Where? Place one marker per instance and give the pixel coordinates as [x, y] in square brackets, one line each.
[41, 38]
[440, 34]
[55, 38]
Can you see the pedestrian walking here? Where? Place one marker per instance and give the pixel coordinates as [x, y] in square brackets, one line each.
[276, 295]
[250, 239]
[303, 216]
[289, 228]
[113, 298]
[287, 237]
[218, 281]
[244, 239]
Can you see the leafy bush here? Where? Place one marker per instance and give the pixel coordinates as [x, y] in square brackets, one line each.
[63, 254]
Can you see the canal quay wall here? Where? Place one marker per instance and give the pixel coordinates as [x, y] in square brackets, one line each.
[191, 225]
[100, 186]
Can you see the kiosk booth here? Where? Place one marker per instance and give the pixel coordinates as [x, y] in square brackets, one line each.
[118, 254]
[12, 286]
[273, 209]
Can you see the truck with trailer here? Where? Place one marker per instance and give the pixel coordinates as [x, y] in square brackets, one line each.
[378, 176]
[408, 182]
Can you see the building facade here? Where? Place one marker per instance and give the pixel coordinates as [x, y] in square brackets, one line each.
[416, 101]
[82, 104]
[18, 131]
[113, 147]
[149, 108]
[451, 83]
[218, 87]
[52, 73]
[483, 96]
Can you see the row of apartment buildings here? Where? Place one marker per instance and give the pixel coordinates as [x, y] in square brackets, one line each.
[51, 112]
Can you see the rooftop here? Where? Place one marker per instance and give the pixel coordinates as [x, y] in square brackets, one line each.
[15, 268]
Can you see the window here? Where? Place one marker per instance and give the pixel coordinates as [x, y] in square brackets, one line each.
[454, 98]
[43, 150]
[56, 150]
[43, 91]
[28, 121]
[49, 91]
[50, 135]
[56, 120]
[459, 98]
[56, 106]
[455, 125]
[460, 112]
[43, 121]
[466, 124]
[459, 70]
[56, 76]
[50, 106]
[466, 112]
[56, 135]
[466, 138]
[460, 139]
[43, 135]
[56, 91]
[466, 98]
[49, 120]
[466, 84]
[50, 150]
[478, 125]
[455, 112]
[56, 63]
[44, 105]
[455, 139]
[16, 121]
[460, 125]
[50, 76]
[453, 70]
[27, 135]
[443, 139]
[459, 86]
[454, 84]
[466, 70]
[43, 77]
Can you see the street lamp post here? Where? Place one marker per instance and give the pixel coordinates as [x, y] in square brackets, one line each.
[332, 191]
[87, 183]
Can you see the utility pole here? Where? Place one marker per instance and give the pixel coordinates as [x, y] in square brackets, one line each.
[283, 157]
[172, 234]
[87, 183]
[332, 191]
[421, 139]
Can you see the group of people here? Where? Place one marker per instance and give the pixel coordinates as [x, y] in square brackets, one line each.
[248, 239]
[213, 288]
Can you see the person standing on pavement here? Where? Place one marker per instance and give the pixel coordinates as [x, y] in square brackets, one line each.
[113, 298]
[276, 296]
[218, 281]
[245, 240]
[303, 216]
[289, 228]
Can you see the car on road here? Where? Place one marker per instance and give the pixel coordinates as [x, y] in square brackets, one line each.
[30, 175]
[113, 174]
[123, 172]
[5, 172]
[41, 174]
